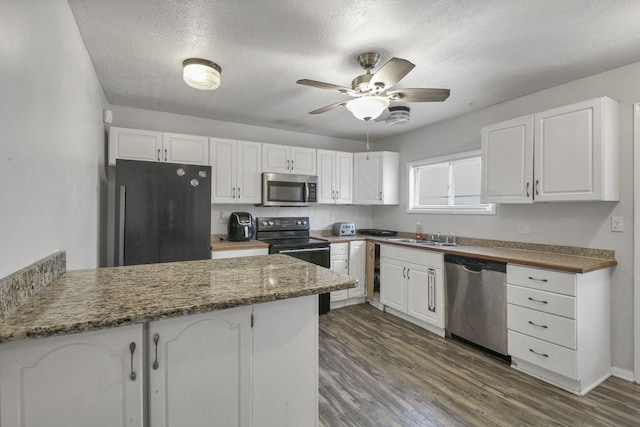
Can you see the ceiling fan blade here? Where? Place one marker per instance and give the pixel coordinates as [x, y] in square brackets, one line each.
[323, 85]
[419, 95]
[392, 72]
[328, 107]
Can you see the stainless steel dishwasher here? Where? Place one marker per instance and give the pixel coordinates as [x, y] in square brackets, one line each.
[476, 300]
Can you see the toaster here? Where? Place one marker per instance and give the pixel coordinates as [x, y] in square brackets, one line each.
[344, 229]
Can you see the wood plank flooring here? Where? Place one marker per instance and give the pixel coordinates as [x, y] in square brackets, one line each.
[378, 370]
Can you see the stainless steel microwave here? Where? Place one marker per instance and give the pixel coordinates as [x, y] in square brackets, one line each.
[281, 189]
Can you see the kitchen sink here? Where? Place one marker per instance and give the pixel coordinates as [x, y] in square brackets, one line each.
[423, 242]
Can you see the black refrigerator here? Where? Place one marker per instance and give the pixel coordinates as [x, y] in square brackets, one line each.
[162, 212]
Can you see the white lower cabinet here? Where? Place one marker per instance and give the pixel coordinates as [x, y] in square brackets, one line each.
[558, 326]
[202, 375]
[340, 264]
[87, 379]
[349, 258]
[244, 366]
[412, 285]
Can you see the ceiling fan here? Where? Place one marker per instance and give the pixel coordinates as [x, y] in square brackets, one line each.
[371, 98]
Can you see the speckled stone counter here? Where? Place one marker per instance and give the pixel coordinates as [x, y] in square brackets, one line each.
[219, 242]
[84, 300]
[562, 258]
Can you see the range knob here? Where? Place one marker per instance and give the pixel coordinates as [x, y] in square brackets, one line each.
[270, 223]
[264, 223]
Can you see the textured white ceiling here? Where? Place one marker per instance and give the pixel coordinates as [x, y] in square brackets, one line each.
[485, 51]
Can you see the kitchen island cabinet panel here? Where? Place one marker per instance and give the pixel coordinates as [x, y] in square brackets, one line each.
[202, 376]
[89, 379]
[285, 363]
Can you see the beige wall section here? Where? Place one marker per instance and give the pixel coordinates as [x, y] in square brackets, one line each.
[51, 137]
[586, 224]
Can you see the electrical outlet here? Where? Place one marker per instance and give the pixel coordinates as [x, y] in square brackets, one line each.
[524, 227]
[222, 219]
[617, 223]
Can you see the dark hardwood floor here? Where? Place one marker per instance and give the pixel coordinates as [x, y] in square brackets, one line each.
[378, 370]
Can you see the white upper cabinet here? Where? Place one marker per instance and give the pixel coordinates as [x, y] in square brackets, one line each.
[136, 144]
[335, 177]
[376, 178]
[569, 153]
[236, 170]
[286, 159]
[507, 161]
[576, 155]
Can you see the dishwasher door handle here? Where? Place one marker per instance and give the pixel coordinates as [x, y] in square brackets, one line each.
[471, 271]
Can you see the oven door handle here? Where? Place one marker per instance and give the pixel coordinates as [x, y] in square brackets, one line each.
[286, 251]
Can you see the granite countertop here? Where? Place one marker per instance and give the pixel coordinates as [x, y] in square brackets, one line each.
[561, 258]
[226, 245]
[84, 300]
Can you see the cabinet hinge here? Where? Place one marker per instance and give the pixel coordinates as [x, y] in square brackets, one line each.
[252, 320]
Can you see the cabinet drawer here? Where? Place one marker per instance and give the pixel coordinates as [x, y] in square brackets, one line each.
[339, 249]
[416, 256]
[555, 329]
[549, 356]
[545, 280]
[549, 302]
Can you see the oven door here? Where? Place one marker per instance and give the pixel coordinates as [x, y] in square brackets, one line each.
[317, 256]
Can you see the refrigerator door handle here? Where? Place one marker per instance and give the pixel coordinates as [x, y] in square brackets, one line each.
[123, 193]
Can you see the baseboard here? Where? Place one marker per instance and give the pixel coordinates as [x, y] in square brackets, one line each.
[624, 374]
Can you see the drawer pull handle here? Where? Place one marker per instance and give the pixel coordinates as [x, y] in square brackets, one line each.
[132, 349]
[539, 354]
[539, 326]
[156, 338]
[538, 301]
[538, 280]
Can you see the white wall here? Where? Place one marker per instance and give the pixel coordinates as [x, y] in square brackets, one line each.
[585, 224]
[51, 140]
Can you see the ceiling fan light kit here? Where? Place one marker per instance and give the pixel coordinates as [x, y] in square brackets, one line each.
[398, 115]
[201, 73]
[367, 107]
[368, 90]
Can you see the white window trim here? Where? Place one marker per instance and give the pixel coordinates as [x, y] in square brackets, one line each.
[457, 210]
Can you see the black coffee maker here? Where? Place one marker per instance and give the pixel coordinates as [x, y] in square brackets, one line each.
[240, 227]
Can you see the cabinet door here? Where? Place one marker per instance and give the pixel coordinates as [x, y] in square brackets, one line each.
[223, 161]
[367, 178]
[203, 370]
[303, 160]
[74, 380]
[393, 284]
[344, 177]
[275, 158]
[340, 264]
[134, 144]
[285, 365]
[187, 149]
[326, 175]
[357, 254]
[249, 172]
[426, 294]
[507, 162]
[569, 152]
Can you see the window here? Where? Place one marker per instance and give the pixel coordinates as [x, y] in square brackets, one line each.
[448, 184]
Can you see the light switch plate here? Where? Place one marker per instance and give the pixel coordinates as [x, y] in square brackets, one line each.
[617, 223]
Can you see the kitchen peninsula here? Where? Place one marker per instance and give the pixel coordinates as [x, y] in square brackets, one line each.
[235, 340]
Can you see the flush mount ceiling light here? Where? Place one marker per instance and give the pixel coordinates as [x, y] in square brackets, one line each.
[367, 107]
[201, 74]
[398, 115]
